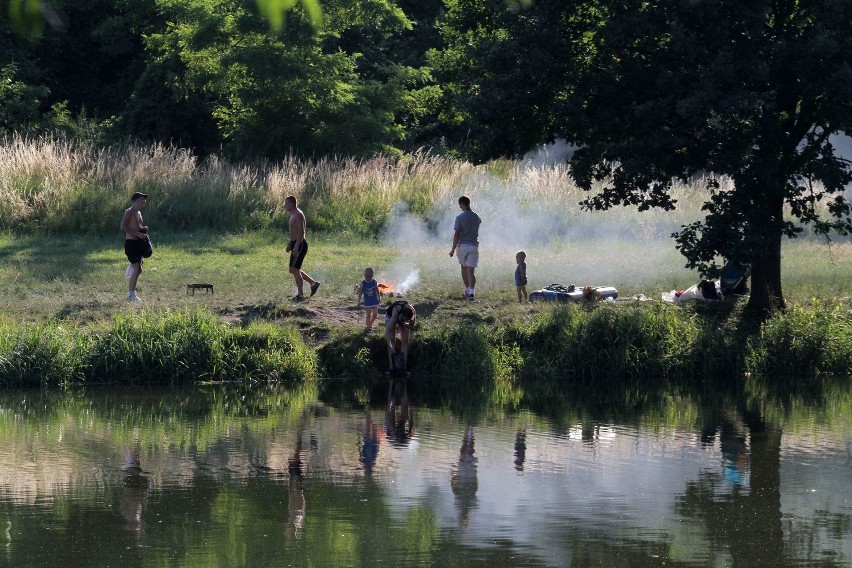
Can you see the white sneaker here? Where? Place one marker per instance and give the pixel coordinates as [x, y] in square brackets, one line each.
[132, 297]
[129, 272]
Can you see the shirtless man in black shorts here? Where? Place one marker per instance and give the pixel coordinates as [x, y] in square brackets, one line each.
[135, 241]
[298, 248]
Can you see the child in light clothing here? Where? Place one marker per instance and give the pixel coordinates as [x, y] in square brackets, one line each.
[521, 276]
[369, 291]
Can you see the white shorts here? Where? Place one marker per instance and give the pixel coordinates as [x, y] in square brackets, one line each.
[468, 255]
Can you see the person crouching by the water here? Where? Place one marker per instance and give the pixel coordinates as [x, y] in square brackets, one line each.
[369, 291]
[135, 241]
[399, 317]
[521, 276]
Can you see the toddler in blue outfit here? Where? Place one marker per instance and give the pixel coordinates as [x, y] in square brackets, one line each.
[369, 291]
[521, 275]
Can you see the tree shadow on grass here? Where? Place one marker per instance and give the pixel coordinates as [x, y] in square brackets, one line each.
[67, 258]
[75, 258]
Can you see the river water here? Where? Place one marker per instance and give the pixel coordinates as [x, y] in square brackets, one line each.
[350, 476]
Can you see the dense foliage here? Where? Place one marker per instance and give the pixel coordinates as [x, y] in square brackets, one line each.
[214, 75]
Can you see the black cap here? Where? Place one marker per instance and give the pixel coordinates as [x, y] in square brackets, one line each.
[137, 195]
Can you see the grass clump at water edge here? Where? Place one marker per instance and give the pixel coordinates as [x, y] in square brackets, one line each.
[150, 347]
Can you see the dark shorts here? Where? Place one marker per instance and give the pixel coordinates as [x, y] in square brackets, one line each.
[296, 261]
[133, 249]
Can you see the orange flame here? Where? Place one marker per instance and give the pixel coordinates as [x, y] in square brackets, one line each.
[385, 288]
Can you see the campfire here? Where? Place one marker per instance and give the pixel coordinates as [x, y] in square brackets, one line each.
[391, 289]
[386, 288]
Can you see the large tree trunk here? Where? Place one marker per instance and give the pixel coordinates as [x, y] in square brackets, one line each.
[766, 295]
[764, 239]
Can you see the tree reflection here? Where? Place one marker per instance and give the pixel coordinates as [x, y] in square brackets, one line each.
[221, 477]
[746, 521]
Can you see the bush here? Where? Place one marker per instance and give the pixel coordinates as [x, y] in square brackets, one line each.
[153, 348]
[803, 340]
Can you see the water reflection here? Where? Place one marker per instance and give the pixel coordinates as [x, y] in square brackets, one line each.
[729, 507]
[208, 478]
[399, 420]
[520, 449]
[464, 481]
[136, 487]
[369, 450]
[295, 492]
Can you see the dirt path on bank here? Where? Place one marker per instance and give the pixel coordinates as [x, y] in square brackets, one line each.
[306, 312]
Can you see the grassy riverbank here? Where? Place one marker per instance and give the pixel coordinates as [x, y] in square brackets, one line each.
[80, 279]
[555, 344]
[64, 319]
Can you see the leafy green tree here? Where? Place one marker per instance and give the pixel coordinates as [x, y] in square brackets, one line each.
[407, 52]
[272, 92]
[655, 91]
[94, 53]
[23, 88]
[752, 90]
[19, 102]
[255, 77]
[504, 71]
[82, 58]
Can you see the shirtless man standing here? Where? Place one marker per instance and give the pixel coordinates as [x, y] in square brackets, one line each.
[298, 248]
[134, 243]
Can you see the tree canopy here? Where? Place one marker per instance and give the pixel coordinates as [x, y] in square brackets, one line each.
[253, 78]
[656, 91]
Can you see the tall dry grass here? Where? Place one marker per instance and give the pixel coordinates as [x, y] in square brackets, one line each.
[62, 186]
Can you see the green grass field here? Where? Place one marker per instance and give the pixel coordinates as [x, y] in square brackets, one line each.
[81, 279]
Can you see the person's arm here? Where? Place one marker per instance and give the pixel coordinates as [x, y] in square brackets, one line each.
[360, 293]
[456, 239]
[394, 318]
[524, 273]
